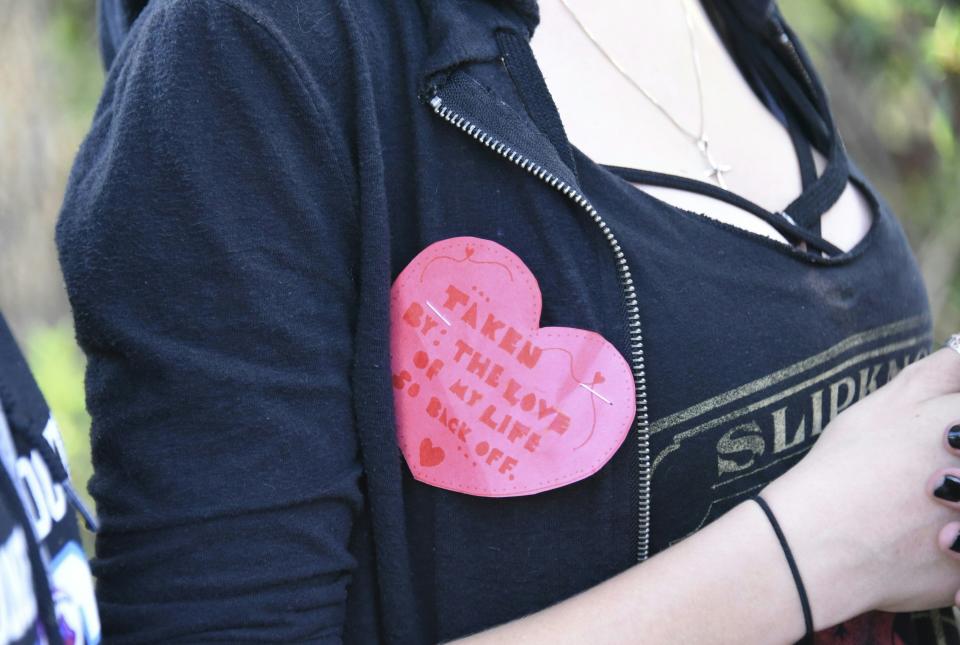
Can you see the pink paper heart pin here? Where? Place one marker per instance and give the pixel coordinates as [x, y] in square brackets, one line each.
[487, 402]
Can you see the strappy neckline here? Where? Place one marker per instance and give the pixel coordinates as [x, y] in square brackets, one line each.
[784, 79]
[779, 221]
[816, 257]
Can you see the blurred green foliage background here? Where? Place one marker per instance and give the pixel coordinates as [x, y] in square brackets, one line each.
[892, 68]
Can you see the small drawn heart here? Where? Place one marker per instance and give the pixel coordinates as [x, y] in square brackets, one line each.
[430, 455]
[509, 402]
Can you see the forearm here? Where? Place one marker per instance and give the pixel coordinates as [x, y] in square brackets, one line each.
[728, 583]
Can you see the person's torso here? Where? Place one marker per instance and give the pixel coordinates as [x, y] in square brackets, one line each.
[750, 349]
[740, 349]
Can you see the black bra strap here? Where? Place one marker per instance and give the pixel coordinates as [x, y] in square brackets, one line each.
[802, 146]
[804, 151]
[805, 162]
[799, 221]
[783, 64]
[782, 222]
[796, 126]
[774, 63]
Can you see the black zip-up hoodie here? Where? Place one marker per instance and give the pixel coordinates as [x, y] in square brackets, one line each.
[257, 174]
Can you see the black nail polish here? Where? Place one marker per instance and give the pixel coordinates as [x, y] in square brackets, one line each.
[953, 437]
[949, 489]
[956, 545]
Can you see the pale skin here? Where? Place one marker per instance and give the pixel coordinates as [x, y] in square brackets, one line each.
[865, 531]
[858, 509]
[611, 122]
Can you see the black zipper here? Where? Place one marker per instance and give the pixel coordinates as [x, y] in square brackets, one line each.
[787, 45]
[629, 297]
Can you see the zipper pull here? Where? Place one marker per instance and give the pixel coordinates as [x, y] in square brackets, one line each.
[779, 33]
[783, 40]
[89, 518]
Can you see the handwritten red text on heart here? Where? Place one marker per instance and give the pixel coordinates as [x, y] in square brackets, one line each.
[486, 401]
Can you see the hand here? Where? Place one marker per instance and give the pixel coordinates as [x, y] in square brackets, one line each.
[944, 487]
[855, 512]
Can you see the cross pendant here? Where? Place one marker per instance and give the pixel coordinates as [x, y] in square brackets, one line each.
[717, 170]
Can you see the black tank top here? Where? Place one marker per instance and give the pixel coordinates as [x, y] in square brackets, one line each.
[757, 345]
[753, 346]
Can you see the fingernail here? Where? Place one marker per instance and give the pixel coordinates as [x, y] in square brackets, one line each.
[953, 437]
[949, 489]
[956, 544]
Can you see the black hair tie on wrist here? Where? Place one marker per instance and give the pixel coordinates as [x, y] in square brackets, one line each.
[804, 601]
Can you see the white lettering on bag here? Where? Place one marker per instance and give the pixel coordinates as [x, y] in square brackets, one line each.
[47, 501]
[18, 606]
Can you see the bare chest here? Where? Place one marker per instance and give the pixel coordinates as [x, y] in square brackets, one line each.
[613, 122]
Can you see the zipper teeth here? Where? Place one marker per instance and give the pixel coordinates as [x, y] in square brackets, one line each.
[629, 293]
[784, 38]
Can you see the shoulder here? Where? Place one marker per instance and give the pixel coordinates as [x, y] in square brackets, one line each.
[241, 68]
[323, 36]
[316, 52]
[214, 113]
[203, 32]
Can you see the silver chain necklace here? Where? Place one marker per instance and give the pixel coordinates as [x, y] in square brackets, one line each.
[717, 170]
